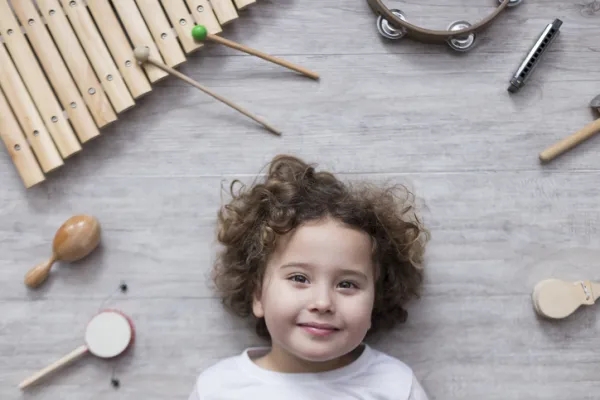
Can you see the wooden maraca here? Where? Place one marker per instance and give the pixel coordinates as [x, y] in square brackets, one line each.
[74, 240]
[558, 299]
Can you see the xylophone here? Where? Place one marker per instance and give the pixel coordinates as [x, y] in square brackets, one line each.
[67, 67]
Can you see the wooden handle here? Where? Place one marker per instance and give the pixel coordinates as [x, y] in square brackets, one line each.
[38, 274]
[210, 93]
[264, 56]
[571, 141]
[54, 366]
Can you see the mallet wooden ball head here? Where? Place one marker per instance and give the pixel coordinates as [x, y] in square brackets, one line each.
[75, 239]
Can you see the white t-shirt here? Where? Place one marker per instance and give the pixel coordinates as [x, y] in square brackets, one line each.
[372, 376]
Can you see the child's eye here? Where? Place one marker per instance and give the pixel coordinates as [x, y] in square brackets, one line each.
[298, 278]
[348, 285]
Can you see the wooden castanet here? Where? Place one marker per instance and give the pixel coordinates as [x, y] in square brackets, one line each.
[75, 239]
[557, 299]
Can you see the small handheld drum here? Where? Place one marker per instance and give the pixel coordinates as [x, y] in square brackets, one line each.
[108, 335]
[459, 35]
[558, 299]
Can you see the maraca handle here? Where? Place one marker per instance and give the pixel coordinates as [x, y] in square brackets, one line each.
[54, 366]
[38, 274]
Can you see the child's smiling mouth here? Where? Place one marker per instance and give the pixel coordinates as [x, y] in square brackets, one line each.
[318, 329]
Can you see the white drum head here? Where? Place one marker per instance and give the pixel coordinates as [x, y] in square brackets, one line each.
[108, 334]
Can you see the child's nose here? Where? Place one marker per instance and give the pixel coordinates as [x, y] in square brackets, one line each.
[323, 301]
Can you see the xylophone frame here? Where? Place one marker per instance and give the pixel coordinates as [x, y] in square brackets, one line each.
[67, 67]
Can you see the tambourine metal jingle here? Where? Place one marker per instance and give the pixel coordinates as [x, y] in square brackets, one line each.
[388, 31]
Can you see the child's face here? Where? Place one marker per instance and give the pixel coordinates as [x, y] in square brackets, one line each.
[322, 273]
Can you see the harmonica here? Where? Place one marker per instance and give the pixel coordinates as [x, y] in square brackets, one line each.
[532, 58]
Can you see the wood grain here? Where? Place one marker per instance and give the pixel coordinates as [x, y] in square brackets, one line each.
[441, 122]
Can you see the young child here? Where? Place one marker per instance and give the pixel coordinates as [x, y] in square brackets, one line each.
[320, 266]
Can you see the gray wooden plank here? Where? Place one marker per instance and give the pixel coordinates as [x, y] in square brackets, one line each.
[342, 27]
[457, 117]
[159, 233]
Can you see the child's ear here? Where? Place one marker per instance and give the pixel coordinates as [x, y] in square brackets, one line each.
[257, 307]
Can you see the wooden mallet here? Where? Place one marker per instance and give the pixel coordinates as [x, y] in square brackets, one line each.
[576, 138]
[200, 33]
[142, 55]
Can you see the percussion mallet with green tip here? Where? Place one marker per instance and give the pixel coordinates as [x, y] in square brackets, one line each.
[200, 34]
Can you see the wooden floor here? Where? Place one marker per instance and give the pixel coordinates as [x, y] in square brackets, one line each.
[441, 121]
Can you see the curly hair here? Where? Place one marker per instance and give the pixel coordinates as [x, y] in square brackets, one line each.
[293, 193]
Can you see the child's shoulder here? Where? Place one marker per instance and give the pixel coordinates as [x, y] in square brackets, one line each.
[381, 364]
[391, 375]
[220, 371]
[219, 375]
[387, 362]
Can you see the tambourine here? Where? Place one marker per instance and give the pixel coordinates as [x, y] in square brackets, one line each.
[459, 35]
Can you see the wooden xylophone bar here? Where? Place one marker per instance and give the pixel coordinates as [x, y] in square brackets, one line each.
[67, 67]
